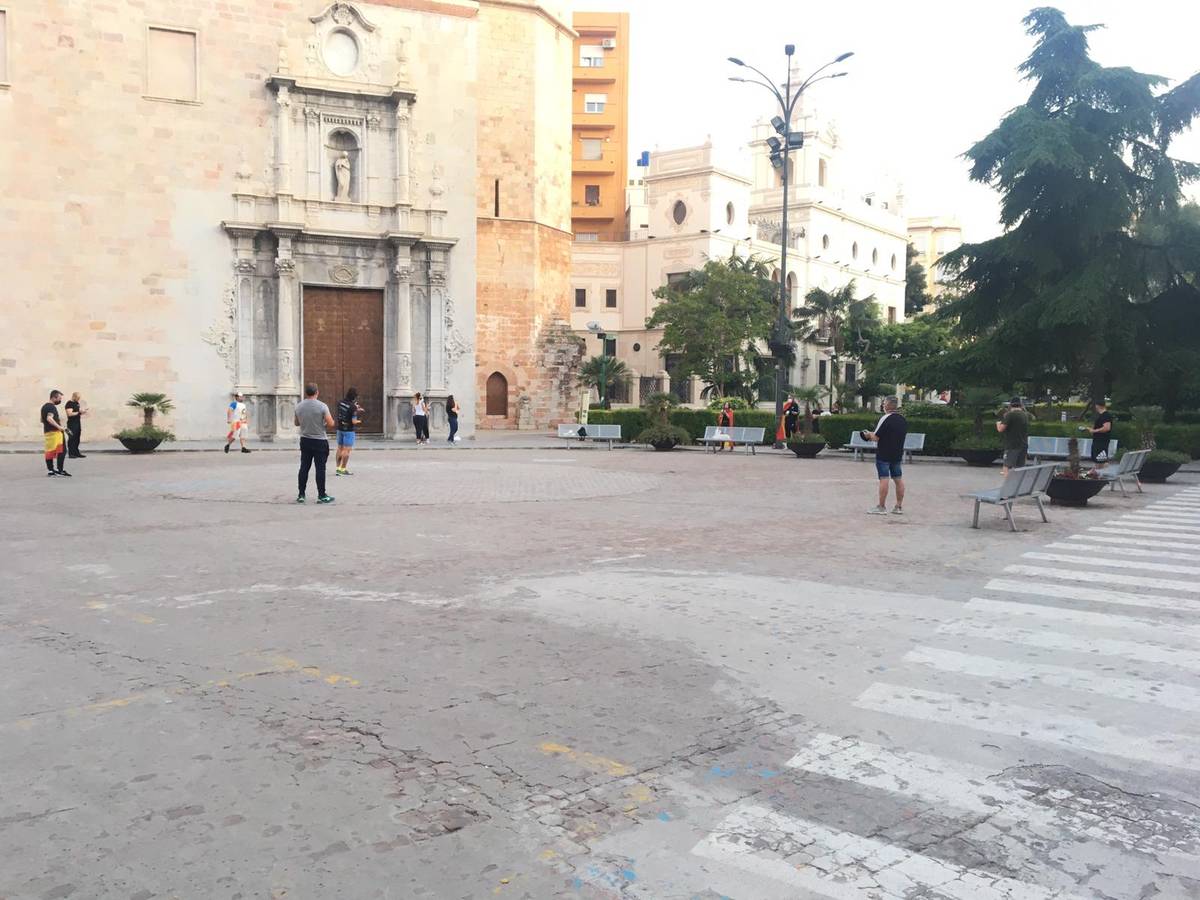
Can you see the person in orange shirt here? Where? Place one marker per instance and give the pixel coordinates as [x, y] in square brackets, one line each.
[725, 423]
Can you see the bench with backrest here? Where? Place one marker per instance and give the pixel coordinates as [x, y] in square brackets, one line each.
[1056, 448]
[1126, 469]
[1027, 482]
[914, 442]
[715, 436]
[609, 433]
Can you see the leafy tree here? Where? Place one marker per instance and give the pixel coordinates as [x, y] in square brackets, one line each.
[916, 297]
[1064, 294]
[715, 321]
[615, 371]
[836, 319]
[915, 353]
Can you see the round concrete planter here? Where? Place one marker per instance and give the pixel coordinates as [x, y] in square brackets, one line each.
[976, 457]
[140, 445]
[663, 446]
[807, 449]
[1073, 491]
[1158, 472]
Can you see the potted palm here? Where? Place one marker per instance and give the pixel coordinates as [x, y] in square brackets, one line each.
[803, 442]
[147, 436]
[1074, 486]
[979, 448]
[661, 434]
[1160, 464]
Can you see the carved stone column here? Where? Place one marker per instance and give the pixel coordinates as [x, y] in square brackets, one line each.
[402, 271]
[285, 267]
[283, 148]
[403, 181]
[437, 318]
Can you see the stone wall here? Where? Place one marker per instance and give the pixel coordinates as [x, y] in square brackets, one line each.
[523, 255]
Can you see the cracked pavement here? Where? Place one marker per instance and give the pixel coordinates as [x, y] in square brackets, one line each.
[586, 674]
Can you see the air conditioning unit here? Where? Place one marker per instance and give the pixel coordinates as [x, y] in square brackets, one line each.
[609, 43]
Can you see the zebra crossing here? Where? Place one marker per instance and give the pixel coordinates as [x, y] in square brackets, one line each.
[1084, 653]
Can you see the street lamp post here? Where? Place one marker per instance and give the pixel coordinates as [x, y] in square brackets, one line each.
[594, 328]
[781, 148]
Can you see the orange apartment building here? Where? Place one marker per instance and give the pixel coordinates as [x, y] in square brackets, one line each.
[599, 130]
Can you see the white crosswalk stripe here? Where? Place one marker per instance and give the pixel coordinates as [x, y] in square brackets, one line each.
[1142, 533]
[1060, 728]
[1125, 551]
[846, 866]
[1108, 536]
[1152, 629]
[1169, 515]
[1157, 693]
[1165, 584]
[1095, 595]
[1154, 524]
[1169, 568]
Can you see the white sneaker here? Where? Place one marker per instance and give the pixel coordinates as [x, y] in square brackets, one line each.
[877, 511]
[897, 511]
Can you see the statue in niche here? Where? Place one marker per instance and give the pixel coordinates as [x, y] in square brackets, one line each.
[341, 172]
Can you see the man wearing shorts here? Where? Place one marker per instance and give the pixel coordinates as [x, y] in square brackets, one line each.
[1101, 432]
[1014, 431]
[347, 421]
[889, 435]
[238, 425]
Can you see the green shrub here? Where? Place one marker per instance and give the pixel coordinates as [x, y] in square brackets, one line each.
[661, 434]
[970, 441]
[696, 420]
[735, 402]
[929, 411]
[1168, 456]
[143, 432]
[799, 438]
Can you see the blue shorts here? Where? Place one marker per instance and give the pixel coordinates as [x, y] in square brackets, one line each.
[888, 469]
[345, 438]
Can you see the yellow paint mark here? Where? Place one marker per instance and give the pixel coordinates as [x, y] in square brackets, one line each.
[143, 619]
[72, 711]
[140, 618]
[285, 664]
[549, 854]
[639, 795]
[587, 760]
[96, 604]
[107, 704]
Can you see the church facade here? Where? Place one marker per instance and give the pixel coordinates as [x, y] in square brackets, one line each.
[209, 198]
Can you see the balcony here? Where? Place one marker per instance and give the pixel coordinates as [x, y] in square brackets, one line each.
[594, 166]
[594, 75]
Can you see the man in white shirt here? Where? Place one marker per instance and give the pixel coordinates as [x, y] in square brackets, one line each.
[238, 424]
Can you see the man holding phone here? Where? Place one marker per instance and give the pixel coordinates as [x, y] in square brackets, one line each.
[888, 436]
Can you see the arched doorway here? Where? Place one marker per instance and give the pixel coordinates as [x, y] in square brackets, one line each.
[497, 395]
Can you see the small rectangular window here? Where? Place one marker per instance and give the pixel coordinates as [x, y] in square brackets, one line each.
[580, 298]
[891, 315]
[171, 64]
[594, 103]
[593, 148]
[675, 278]
[587, 237]
[610, 346]
[822, 172]
[822, 370]
[851, 373]
[591, 194]
[610, 298]
[591, 56]
[3, 46]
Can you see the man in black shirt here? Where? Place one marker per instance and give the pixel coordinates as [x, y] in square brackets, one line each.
[54, 434]
[347, 422]
[75, 413]
[889, 437]
[1101, 431]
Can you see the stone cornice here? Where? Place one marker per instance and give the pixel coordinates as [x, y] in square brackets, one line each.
[538, 9]
[340, 88]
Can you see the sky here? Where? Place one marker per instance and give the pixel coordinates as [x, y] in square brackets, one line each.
[927, 80]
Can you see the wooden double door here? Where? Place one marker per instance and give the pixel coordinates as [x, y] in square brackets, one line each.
[343, 348]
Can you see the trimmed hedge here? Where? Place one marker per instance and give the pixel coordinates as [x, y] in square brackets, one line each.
[940, 434]
[694, 421]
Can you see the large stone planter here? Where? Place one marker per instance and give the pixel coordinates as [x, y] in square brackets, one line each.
[1073, 491]
[140, 445]
[1158, 472]
[663, 446]
[975, 457]
[807, 449]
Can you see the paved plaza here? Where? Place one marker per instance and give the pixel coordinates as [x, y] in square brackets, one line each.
[550, 673]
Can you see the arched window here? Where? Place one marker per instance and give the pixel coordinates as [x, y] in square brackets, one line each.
[728, 213]
[854, 250]
[875, 256]
[791, 287]
[679, 212]
[824, 242]
[497, 395]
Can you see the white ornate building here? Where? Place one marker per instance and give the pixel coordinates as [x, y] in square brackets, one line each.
[696, 205]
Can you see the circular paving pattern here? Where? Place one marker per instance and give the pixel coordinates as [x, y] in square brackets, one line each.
[403, 482]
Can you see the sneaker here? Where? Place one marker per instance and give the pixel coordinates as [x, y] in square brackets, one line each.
[226, 448]
[245, 449]
[325, 499]
[63, 474]
[337, 472]
[897, 511]
[347, 472]
[300, 499]
[51, 474]
[878, 511]
[81, 456]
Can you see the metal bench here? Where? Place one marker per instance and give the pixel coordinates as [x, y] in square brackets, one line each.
[715, 436]
[914, 442]
[1028, 482]
[1128, 468]
[1056, 448]
[609, 433]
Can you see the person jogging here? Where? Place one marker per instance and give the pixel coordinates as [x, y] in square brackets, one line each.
[238, 422]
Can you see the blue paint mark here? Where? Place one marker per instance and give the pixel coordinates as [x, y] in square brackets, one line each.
[719, 772]
[664, 817]
[577, 883]
[629, 874]
[767, 773]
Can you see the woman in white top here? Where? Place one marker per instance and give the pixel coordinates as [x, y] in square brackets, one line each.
[421, 419]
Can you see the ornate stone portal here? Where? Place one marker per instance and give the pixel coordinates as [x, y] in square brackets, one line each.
[340, 212]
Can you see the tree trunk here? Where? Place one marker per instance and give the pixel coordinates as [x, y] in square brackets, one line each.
[148, 416]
